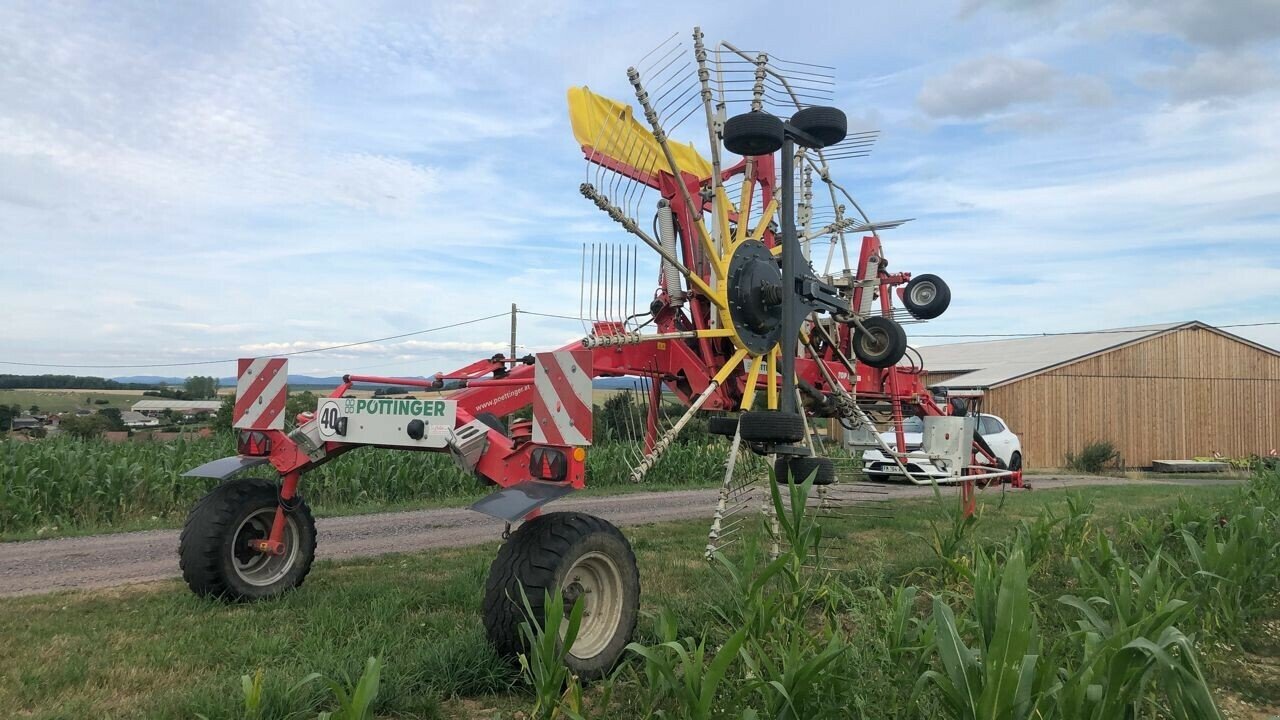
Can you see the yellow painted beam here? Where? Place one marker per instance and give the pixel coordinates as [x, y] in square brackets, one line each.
[715, 333]
[753, 382]
[771, 382]
[765, 218]
[729, 367]
[744, 208]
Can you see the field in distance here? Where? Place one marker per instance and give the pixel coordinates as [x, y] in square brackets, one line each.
[67, 399]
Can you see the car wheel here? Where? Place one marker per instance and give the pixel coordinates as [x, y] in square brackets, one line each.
[1015, 461]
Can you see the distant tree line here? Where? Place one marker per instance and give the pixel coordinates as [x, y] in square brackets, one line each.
[197, 387]
[57, 382]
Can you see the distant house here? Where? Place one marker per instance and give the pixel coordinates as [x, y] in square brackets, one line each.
[155, 408]
[134, 419]
[24, 422]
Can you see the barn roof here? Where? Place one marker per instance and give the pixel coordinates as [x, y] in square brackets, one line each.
[153, 405]
[995, 362]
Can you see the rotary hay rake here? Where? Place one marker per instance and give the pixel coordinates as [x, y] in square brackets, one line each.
[740, 325]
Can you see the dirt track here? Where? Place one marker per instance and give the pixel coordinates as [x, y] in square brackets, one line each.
[41, 566]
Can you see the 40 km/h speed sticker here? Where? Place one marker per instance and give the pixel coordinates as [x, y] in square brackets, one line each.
[384, 421]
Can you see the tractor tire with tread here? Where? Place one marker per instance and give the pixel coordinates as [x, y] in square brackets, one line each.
[213, 552]
[829, 125]
[771, 426]
[726, 425]
[754, 133]
[539, 557]
[799, 468]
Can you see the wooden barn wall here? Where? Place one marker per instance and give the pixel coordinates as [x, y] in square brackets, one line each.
[933, 378]
[1180, 395]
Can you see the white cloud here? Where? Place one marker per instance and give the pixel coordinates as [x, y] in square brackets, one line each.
[185, 183]
[1216, 74]
[1213, 23]
[985, 85]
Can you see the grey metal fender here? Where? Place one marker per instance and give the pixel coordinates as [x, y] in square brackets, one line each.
[514, 503]
[226, 467]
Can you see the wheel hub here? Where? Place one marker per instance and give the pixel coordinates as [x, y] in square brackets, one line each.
[253, 565]
[596, 580]
[875, 341]
[923, 294]
[755, 296]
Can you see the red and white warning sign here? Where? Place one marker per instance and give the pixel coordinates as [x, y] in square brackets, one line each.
[262, 387]
[562, 398]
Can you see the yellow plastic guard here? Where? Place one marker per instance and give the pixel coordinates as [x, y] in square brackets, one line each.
[610, 128]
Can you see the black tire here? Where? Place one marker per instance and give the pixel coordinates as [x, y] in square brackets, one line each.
[538, 557]
[876, 477]
[926, 297]
[789, 468]
[213, 553]
[771, 426]
[753, 133]
[726, 425]
[883, 343]
[827, 124]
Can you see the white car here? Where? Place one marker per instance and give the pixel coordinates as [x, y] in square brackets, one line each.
[877, 466]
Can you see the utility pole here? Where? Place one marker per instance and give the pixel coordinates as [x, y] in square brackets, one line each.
[513, 331]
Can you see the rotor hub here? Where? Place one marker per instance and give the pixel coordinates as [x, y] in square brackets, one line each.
[754, 291]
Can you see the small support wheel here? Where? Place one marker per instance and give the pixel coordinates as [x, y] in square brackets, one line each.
[798, 469]
[826, 124]
[216, 550]
[771, 426]
[578, 556]
[880, 342]
[926, 297]
[754, 133]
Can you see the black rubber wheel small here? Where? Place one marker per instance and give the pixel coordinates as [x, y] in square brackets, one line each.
[883, 343]
[753, 133]
[788, 469]
[926, 297]
[827, 124]
[771, 426]
[576, 555]
[213, 550]
[726, 425]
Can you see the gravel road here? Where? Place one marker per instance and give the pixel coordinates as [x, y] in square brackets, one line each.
[42, 566]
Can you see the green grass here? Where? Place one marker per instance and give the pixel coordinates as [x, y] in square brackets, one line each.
[156, 651]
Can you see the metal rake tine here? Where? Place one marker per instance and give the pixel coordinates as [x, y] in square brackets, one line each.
[658, 47]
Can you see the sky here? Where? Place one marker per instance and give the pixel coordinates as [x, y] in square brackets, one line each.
[185, 182]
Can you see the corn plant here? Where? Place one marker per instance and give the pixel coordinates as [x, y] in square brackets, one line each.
[1236, 563]
[998, 678]
[906, 638]
[547, 640]
[355, 703]
[685, 670]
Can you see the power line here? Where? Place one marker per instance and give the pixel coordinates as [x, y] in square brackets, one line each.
[287, 354]
[1120, 331]
[553, 315]
[1078, 332]
[568, 317]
